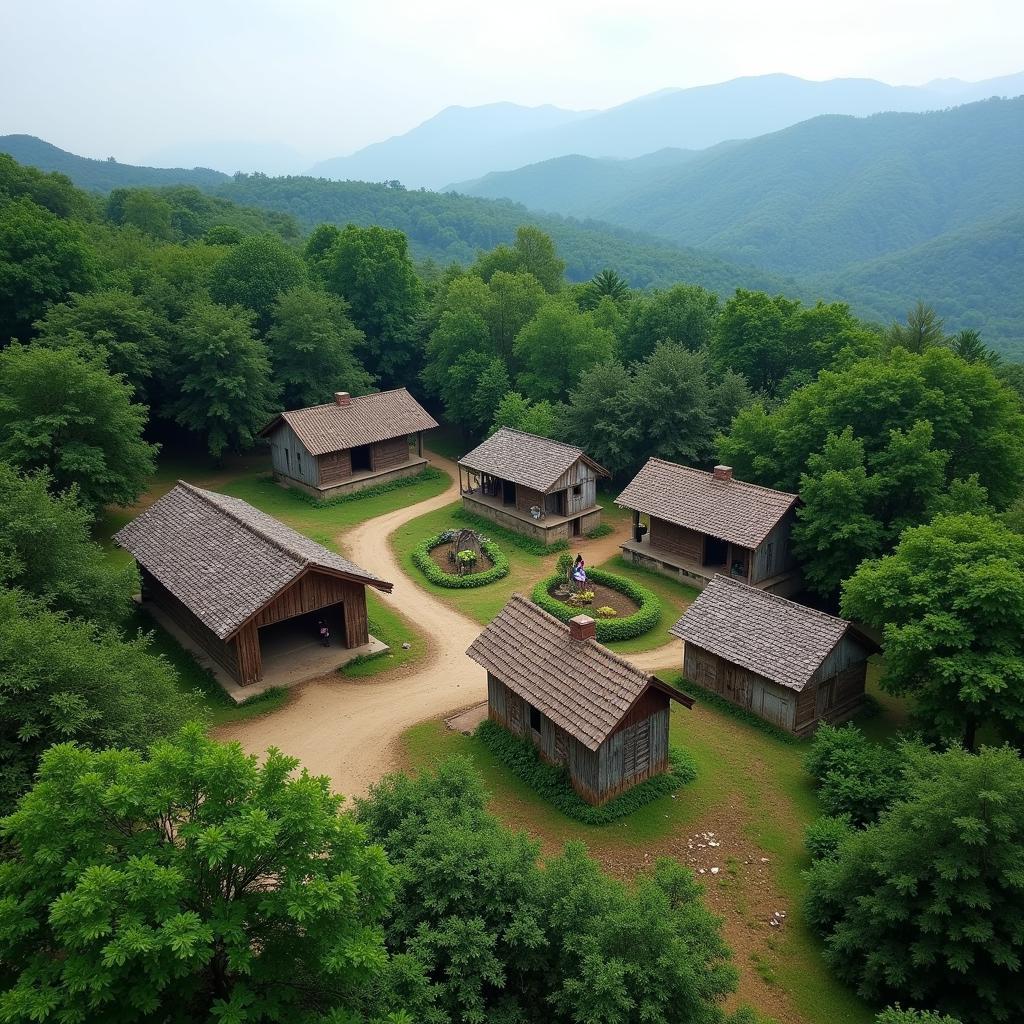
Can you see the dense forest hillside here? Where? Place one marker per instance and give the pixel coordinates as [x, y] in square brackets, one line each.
[102, 175]
[449, 228]
[466, 142]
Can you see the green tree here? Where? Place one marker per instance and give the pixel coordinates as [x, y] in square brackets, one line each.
[46, 550]
[925, 906]
[950, 599]
[68, 679]
[66, 414]
[555, 347]
[753, 337]
[597, 415]
[967, 344]
[521, 414]
[312, 347]
[116, 324]
[923, 330]
[254, 273]
[492, 385]
[225, 389]
[148, 212]
[193, 882]
[42, 260]
[685, 314]
[606, 283]
[371, 269]
[533, 252]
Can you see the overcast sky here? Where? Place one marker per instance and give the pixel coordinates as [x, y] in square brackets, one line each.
[133, 79]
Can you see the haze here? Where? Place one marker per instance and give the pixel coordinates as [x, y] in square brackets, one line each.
[308, 79]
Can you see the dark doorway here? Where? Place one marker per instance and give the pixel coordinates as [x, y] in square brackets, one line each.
[534, 718]
[291, 637]
[577, 527]
[362, 459]
[715, 551]
[508, 492]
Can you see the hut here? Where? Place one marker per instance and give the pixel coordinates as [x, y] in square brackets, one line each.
[532, 485]
[243, 587]
[789, 664]
[583, 707]
[350, 443]
[700, 524]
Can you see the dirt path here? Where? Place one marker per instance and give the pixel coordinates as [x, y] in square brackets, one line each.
[347, 729]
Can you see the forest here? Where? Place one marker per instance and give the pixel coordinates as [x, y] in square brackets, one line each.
[137, 854]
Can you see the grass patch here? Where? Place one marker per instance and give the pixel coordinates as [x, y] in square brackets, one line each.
[552, 783]
[425, 475]
[391, 628]
[601, 530]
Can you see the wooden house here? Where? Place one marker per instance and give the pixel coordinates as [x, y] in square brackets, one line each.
[789, 664]
[350, 443]
[700, 524]
[239, 584]
[535, 486]
[583, 707]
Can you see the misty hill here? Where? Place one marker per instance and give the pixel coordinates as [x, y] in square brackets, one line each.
[232, 156]
[462, 143]
[102, 175]
[450, 228]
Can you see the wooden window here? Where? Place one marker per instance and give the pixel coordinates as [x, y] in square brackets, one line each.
[636, 749]
[534, 718]
[577, 490]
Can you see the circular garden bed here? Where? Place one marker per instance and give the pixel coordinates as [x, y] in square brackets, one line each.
[632, 610]
[460, 559]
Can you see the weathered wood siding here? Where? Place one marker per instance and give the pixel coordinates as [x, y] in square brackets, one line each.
[391, 453]
[587, 497]
[291, 458]
[636, 750]
[527, 497]
[679, 540]
[315, 590]
[335, 467]
[774, 555]
[222, 651]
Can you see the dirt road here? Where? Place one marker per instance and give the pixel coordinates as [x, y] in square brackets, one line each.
[349, 729]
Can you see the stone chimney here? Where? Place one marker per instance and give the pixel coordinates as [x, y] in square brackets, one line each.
[723, 472]
[582, 627]
[342, 398]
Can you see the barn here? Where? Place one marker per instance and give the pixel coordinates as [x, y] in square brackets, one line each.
[703, 523]
[350, 443]
[789, 664]
[583, 707]
[243, 587]
[532, 485]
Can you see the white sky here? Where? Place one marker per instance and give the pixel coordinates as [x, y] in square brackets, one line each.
[128, 77]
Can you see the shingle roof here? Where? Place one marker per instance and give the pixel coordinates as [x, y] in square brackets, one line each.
[369, 418]
[731, 510]
[526, 459]
[222, 558]
[581, 686]
[767, 634]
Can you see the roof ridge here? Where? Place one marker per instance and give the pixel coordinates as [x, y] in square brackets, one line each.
[352, 398]
[731, 480]
[208, 497]
[598, 647]
[539, 437]
[779, 599]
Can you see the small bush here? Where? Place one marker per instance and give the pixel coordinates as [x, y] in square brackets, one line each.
[823, 836]
[422, 560]
[516, 540]
[429, 473]
[601, 530]
[644, 619]
[606, 611]
[552, 783]
[855, 776]
[896, 1015]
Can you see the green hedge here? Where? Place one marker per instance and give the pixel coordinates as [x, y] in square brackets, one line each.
[517, 540]
[645, 618]
[422, 560]
[552, 783]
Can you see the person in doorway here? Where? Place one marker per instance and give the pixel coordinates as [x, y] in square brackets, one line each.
[325, 634]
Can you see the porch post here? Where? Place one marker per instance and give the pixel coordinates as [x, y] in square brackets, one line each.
[419, 443]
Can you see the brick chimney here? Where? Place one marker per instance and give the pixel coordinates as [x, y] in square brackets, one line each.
[582, 627]
[342, 398]
[723, 472]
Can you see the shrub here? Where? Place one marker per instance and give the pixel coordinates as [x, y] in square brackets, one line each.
[552, 783]
[422, 560]
[601, 530]
[896, 1015]
[644, 619]
[854, 776]
[823, 836]
[579, 597]
[607, 611]
[517, 540]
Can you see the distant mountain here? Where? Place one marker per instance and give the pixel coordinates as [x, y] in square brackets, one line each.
[462, 143]
[102, 175]
[229, 157]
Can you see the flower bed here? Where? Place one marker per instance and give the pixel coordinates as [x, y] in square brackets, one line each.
[424, 561]
[645, 618]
